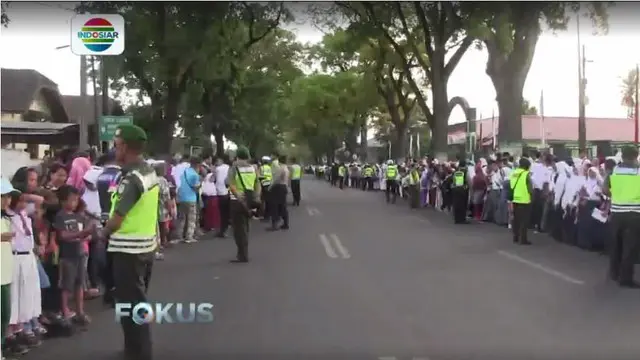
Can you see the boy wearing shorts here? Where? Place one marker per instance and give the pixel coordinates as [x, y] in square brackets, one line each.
[73, 239]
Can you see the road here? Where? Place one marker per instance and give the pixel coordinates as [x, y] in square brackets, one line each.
[355, 278]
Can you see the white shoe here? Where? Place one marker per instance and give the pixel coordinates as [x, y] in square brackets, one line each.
[175, 241]
[191, 241]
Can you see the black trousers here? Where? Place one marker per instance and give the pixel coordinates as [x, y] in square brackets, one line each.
[265, 200]
[537, 208]
[131, 275]
[240, 229]
[624, 247]
[279, 205]
[295, 191]
[341, 182]
[391, 191]
[520, 224]
[223, 205]
[459, 202]
[414, 196]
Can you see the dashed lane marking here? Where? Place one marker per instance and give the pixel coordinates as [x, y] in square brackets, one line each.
[547, 270]
[312, 211]
[327, 247]
[344, 252]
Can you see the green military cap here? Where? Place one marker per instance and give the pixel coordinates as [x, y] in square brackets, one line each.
[243, 153]
[131, 133]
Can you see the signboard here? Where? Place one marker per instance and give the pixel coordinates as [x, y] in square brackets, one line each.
[109, 125]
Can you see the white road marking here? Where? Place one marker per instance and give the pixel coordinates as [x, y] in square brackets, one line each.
[341, 248]
[312, 211]
[546, 270]
[327, 247]
[387, 358]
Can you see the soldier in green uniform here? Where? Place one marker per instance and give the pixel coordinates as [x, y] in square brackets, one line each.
[132, 232]
[244, 190]
[624, 187]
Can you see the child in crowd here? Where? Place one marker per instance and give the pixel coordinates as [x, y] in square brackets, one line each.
[73, 240]
[6, 253]
[25, 285]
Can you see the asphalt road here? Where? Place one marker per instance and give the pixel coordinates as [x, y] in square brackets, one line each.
[355, 278]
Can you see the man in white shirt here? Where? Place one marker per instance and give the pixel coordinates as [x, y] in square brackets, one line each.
[179, 169]
[221, 172]
[540, 178]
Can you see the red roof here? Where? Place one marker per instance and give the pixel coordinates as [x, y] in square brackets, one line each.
[562, 128]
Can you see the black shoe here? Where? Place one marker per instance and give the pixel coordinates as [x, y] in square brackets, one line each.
[525, 243]
[239, 261]
[15, 347]
[221, 235]
[272, 228]
[284, 227]
[515, 240]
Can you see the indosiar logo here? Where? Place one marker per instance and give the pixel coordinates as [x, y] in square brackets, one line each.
[165, 313]
[101, 34]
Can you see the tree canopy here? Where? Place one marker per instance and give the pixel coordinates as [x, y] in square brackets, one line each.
[230, 70]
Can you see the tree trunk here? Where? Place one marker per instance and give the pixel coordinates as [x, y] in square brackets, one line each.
[399, 148]
[440, 128]
[509, 96]
[364, 142]
[162, 145]
[351, 139]
[218, 136]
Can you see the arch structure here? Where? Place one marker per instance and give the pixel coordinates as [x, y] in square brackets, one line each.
[470, 116]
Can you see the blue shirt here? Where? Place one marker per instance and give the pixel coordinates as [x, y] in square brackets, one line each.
[188, 181]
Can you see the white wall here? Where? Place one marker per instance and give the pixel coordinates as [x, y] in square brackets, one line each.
[12, 160]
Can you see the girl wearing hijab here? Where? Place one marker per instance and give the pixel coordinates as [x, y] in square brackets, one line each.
[79, 167]
[570, 205]
[590, 230]
[478, 190]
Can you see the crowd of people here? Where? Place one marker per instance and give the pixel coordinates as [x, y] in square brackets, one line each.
[54, 256]
[567, 198]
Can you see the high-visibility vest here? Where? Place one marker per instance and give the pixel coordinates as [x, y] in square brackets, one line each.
[244, 175]
[458, 179]
[139, 230]
[368, 171]
[625, 189]
[342, 170]
[519, 187]
[414, 178]
[266, 176]
[297, 172]
[392, 172]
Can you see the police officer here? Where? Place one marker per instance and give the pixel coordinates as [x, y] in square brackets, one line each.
[106, 186]
[244, 188]
[132, 229]
[460, 193]
[342, 173]
[624, 187]
[265, 177]
[367, 183]
[296, 175]
[391, 178]
[414, 187]
[522, 192]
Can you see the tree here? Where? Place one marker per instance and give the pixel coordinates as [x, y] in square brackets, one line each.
[528, 109]
[629, 89]
[4, 18]
[429, 35]
[163, 44]
[510, 32]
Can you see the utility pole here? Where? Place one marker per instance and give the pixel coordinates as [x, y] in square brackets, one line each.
[104, 85]
[637, 107]
[582, 121]
[82, 121]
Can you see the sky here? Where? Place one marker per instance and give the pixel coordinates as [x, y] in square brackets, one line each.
[554, 69]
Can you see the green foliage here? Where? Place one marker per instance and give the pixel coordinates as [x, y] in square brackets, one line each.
[4, 18]
[629, 90]
[528, 109]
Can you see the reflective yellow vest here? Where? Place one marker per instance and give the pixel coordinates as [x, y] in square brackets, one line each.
[296, 172]
[458, 179]
[625, 189]
[244, 175]
[266, 176]
[368, 171]
[520, 191]
[139, 230]
[392, 172]
[342, 171]
[414, 178]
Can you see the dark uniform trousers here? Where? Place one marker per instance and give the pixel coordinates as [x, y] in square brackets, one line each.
[391, 190]
[460, 200]
[341, 181]
[414, 196]
[265, 199]
[240, 228]
[295, 191]
[131, 275]
[521, 221]
[278, 195]
[624, 246]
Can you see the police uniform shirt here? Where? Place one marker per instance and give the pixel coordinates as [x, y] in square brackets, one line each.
[131, 188]
[105, 179]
